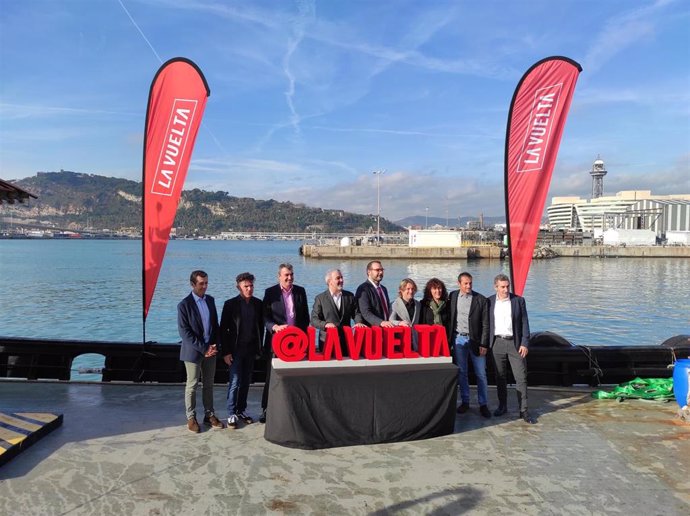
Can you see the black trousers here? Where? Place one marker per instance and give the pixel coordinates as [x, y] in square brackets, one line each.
[264, 394]
[504, 351]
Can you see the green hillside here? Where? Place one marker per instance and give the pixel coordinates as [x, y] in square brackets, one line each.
[75, 200]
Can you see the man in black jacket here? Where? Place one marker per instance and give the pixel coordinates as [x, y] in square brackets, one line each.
[284, 304]
[469, 331]
[241, 333]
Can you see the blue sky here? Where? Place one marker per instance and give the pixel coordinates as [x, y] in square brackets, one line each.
[309, 97]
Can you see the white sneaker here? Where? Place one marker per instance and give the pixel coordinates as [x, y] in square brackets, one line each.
[232, 421]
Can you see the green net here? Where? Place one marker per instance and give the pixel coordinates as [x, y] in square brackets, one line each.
[640, 389]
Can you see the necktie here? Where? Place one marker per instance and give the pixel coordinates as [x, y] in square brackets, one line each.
[384, 305]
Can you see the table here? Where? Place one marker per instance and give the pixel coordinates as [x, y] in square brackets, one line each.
[324, 407]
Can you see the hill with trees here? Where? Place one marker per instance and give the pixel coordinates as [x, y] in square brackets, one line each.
[73, 200]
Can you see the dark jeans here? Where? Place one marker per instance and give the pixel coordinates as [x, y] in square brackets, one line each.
[238, 385]
[504, 351]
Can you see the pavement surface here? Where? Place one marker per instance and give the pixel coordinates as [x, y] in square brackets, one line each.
[125, 449]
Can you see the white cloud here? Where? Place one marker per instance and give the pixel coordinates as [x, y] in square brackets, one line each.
[10, 111]
[621, 32]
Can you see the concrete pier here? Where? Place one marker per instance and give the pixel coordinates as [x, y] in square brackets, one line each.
[608, 251]
[403, 252]
[125, 449]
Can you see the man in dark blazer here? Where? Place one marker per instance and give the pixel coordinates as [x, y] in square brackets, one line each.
[372, 297]
[509, 339]
[197, 323]
[469, 331]
[335, 308]
[241, 335]
[284, 304]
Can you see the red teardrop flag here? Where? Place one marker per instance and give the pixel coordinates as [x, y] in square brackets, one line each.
[535, 125]
[176, 104]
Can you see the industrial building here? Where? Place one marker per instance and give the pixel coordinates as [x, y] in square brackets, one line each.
[629, 209]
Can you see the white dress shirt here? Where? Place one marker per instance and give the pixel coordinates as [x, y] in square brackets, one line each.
[503, 322]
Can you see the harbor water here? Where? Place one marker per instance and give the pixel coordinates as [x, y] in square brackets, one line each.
[91, 289]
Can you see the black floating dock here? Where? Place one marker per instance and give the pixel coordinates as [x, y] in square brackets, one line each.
[20, 430]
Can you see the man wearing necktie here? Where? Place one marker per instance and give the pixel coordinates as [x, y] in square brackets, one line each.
[372, 297]
[197, 323]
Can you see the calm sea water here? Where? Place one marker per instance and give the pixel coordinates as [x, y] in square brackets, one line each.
[91, 290]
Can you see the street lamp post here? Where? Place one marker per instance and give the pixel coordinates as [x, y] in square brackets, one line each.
[378, 173]
[426, 224]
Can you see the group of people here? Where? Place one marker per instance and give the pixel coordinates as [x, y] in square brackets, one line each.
[475, 325]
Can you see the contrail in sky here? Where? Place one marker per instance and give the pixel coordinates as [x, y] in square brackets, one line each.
[203, 124]
[140, 32]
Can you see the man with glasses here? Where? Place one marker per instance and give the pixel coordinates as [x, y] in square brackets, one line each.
[372, 297]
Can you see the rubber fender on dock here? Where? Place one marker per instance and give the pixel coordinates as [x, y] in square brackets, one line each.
[548, 339]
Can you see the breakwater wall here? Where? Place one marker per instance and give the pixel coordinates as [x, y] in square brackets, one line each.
[392, 252]
[403, 252]
[609, 251]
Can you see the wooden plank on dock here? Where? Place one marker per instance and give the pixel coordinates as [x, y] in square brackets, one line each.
[20, 430]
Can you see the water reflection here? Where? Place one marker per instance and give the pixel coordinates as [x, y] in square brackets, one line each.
[92, 289]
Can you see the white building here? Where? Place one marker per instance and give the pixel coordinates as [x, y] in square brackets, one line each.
[630, 209]
[434, 238]
[678, 238]
[629, 237]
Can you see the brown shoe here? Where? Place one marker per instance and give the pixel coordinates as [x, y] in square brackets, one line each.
[212, 421]
[193, 426]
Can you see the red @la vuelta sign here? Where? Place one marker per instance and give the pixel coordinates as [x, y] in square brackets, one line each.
[375, 343]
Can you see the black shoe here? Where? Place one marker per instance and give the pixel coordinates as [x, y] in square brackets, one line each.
[246, 419]
[527, 418]
[262, 418]
[502, 409]
[484, 411]
[463, 407]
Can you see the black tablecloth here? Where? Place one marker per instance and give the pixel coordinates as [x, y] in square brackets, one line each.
[326, 407]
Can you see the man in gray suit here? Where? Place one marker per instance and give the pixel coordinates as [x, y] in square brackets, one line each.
[335, 308]
[197, 323]
[509, 340]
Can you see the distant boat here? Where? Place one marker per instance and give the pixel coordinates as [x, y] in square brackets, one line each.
[37, 233]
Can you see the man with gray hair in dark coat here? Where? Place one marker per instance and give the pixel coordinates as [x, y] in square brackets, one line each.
[509, 341]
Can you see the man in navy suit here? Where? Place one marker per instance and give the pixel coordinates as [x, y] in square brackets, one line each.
[284, 304]
[241, 334]
[372, 297]
[509, 339]
[197, 323]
